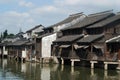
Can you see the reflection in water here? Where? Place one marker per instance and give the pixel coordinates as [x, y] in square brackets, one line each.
[23, 67]
[12, 70]
[45, 73]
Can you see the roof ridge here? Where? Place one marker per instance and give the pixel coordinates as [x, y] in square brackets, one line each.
[40, 25]
[113, 38]
[99, 13]
[76, 14]
[118, 13]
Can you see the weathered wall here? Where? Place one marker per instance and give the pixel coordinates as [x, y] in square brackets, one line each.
[46, 45]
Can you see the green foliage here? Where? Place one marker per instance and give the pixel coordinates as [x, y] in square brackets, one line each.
[6, 35]
[10, 35]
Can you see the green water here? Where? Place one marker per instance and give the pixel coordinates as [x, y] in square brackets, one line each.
[12, 70]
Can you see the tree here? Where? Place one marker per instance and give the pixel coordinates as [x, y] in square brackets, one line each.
[1, 35]
[5, 34]
[10, 35]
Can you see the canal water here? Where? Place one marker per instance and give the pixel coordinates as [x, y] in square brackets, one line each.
[12, 70]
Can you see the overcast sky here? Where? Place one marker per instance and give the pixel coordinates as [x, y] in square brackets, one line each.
[25, 14]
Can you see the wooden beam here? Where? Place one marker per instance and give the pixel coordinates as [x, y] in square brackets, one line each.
[106, 64]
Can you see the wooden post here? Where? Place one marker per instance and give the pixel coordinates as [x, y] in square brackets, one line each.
[105, 65]
[0, 53]
[60, 51]
[72, 63]
[53, 50]
[35, 58]
[22, 55]
[92, 64]
[91, 48]
[35, 48]
[106, 53]
[3, 52]
[40, 60]
[8, 54]
[72, 49]
[73, 60]
[17, 55]
[119, 54]
[31, 53]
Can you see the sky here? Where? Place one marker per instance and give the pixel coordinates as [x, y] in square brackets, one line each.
[26, 14]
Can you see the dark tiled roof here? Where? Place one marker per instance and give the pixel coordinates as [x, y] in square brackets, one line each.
[35, 28]
[105, 22]
[30, 43]
[18, 43]
[91, 19]
[69, 38]
[67, 20]
[90, 38]
[5, 43]
[115, 39]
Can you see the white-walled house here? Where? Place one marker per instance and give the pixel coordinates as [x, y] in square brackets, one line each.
[69, 21]
[43, 46]
[25, 35]
[33, 32]
[44, 41]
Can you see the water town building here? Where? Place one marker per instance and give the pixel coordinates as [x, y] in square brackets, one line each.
[77, 38]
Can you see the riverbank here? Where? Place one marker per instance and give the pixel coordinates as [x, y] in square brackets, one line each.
[106, 65]
[12, 70]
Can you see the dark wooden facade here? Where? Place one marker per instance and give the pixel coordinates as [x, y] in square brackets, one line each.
[15, 49]
[38, 46]
[92, 49]
[113, 47]
[97, 28]
[89, 20]
[64, 46]
[110, 28]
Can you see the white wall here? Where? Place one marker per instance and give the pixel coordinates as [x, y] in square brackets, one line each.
[39, 29]
[25, 35]
[32, 33]
[5, 52]
[46, 44]
[24, 55]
